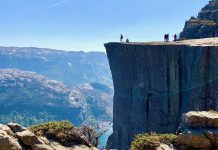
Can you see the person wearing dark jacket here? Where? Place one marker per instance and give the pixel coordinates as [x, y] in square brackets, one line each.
[121, 38]
[175, 37]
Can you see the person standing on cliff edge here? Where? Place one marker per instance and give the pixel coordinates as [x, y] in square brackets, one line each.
[165, 38]
[121, 38]
[175, 37]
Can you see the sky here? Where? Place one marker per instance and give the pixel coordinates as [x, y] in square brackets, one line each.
[86, 25]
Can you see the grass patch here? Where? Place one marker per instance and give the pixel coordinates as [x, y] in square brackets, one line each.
[213, 111]
[62, 132]
[152, 141]
[202, 22]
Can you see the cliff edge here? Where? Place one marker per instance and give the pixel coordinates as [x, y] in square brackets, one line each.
[156, 82]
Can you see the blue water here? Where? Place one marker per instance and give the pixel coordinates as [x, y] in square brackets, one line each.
[103, 139]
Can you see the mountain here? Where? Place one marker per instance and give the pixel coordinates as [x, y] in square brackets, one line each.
[99, 99]
[29, 98]
[205, 25]
[71, 68]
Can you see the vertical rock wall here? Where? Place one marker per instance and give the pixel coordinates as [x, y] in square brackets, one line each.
[155, 84]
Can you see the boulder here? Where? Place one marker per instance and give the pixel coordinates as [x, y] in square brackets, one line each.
[16, 127]
[7, 129]
[28, 138]
[201, 119]
[199, 130]
[7, 142]
[165, 147]
[194, 139]
[42, 147]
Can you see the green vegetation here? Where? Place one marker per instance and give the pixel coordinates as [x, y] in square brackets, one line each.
[204, 22]
[66, 134]
[26, 118]
[91, 134]
[213, 111]
[58, 126]
[151, 141]
[62, 132]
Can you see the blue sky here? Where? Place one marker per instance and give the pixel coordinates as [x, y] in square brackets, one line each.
[87, 24]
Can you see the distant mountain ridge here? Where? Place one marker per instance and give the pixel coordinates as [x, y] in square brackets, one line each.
[29, 98]
[70, 67]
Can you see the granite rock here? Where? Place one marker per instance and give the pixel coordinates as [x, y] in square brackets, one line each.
[205, 25]
[155, 83]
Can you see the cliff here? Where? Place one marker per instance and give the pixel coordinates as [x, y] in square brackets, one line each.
[156, 82]
[205, 25]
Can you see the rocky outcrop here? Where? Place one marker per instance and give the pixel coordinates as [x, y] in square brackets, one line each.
[205, 25]
[15, 137]
[199, 131]
[155, 83]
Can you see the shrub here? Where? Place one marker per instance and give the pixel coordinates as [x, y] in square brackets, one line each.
[91, 134]
[168, 139]
[152, 141]
[145, 142]
[62, 132]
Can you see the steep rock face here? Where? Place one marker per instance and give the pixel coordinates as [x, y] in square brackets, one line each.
[155, 83]
[205, 25]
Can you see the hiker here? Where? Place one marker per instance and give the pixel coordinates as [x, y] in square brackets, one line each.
[175, 37]
[121, 38]
[165, 38]
[127, 40]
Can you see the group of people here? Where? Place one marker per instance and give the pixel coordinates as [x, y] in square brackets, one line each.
[121, 39]
[167, 36]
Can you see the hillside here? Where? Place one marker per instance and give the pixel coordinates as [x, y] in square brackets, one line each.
[205, 25]
[29, 98]
[71, 68]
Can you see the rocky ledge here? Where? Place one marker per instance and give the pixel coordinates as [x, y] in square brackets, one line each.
[199, 131]
[16, 137]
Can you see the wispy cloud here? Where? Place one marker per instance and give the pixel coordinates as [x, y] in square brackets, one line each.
[93, 9]
[58, 3]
